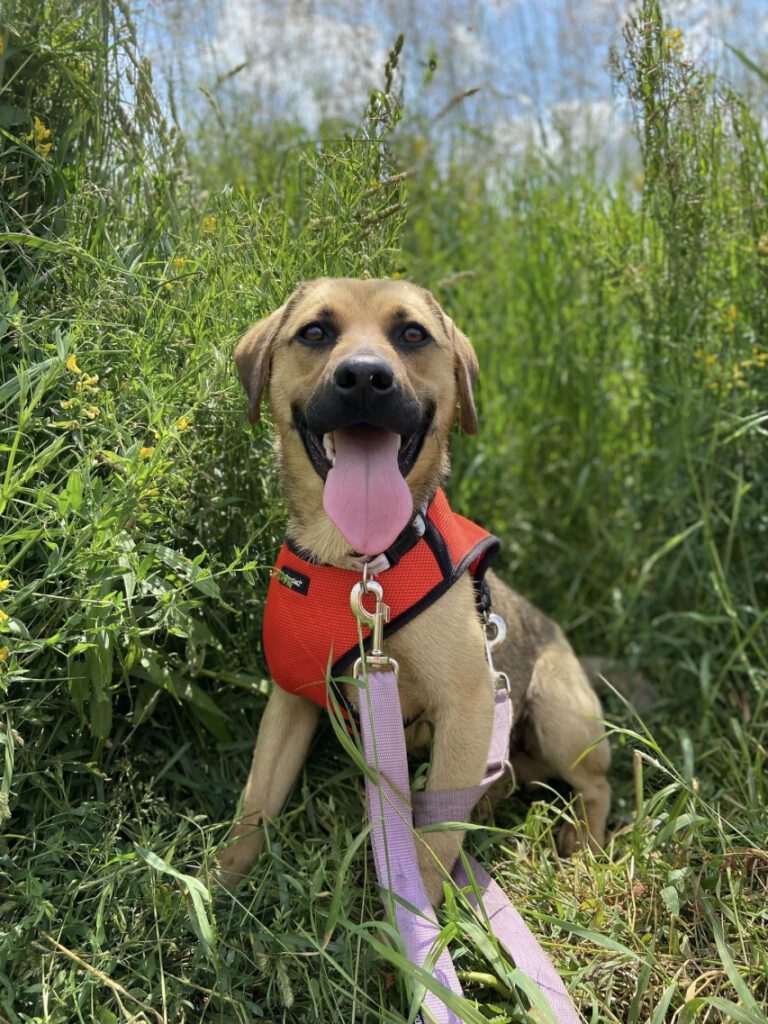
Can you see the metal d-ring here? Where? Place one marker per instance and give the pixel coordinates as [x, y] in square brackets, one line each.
[500, 635]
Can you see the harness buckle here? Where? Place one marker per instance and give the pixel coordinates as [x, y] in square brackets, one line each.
[376, 660]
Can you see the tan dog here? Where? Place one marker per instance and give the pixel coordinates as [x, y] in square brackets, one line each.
[380, 352]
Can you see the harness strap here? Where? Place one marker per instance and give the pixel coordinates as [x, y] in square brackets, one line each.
[392, 810]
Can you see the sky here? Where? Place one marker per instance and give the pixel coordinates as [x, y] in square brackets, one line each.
[539, 66]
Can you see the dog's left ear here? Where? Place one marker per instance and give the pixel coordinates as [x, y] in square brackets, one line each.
[467, 369]
[253, 358]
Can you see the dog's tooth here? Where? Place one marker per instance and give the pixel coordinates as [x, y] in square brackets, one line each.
[399, 441]
[330, 448]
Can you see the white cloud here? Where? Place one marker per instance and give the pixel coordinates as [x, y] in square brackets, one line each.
[302, 61]
[576, 126]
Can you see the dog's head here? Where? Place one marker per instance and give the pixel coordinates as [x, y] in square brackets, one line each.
[364, 382]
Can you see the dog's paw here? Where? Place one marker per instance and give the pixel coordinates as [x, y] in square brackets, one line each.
[437, 853]
[232, 866]
[569, 840]
[572, 838]
[433, 883]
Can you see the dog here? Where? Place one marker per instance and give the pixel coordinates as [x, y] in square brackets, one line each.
[365, 380]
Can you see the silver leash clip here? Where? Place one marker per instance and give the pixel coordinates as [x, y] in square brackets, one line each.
[495, 633]
[375, 660]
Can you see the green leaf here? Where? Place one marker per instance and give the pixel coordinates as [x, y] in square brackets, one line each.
[748, 62]
[75, 491]
[340, 887]
[198, 894]
[730, 967]
[99, 660]
[671, 899]
[10, 115]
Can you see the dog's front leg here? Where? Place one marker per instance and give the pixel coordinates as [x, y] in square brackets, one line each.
[462, 735]
[285, 733]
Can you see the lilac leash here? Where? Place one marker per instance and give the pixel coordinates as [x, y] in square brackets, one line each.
[393, 810]
[394, 841]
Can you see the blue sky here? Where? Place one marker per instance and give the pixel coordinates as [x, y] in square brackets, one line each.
[535, 62]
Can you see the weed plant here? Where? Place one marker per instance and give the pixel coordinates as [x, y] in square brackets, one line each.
[621, 329]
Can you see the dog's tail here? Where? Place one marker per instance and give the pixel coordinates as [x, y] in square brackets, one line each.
[632, 684]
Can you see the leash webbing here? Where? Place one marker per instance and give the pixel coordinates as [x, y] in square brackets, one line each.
[393, 839]
[393, 811]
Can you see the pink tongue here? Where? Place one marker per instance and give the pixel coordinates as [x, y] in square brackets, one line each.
[365, 494]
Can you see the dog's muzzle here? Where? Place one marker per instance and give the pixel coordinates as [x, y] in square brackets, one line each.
[362, 389]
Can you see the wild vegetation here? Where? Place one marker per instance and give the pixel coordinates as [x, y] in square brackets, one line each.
[621, 327]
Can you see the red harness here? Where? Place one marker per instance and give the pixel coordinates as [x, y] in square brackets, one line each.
[310, 633]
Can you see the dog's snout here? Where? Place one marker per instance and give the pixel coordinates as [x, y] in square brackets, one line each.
[363, 388]
[358, 376]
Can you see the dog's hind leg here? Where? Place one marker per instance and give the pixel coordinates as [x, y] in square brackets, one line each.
[286, 730]
[566, 740]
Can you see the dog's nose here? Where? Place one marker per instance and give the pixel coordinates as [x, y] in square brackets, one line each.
[361, 377]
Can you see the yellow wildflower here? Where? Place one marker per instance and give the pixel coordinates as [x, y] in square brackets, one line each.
[209, 224]
[147, 453]
[151, 493]
[673, 40]
[3, 616]
[64, 424]
[179, 261]
[72, 365]
[762, 245]
[183, 424]
[4, 584]
[710, 360]
[697, 353]
[730, 316]
[91, 411]
[67, 403]
[40, 135]
[4, 652]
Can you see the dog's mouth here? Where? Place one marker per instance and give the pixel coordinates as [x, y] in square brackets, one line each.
[364, 469]
[321, 448]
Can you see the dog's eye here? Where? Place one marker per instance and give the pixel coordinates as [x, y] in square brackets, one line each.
[414, 334]
[312, 334]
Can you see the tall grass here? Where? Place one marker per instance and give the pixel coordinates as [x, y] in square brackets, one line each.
[621, 330]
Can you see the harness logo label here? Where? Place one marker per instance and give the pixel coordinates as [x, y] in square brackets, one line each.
[292, 579]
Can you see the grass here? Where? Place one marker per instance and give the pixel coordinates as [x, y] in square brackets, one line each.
[621, 330]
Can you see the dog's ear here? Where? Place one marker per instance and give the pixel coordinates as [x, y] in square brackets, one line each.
[467, 369]
[253, 358]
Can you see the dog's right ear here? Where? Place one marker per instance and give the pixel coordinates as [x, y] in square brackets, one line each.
[253, 358]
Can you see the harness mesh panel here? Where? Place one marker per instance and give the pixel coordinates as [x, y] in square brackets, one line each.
[309, 629]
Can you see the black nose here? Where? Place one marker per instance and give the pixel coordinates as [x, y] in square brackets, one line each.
[361, 377]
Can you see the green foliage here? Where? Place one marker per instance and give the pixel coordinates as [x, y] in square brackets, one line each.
[621, 332]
